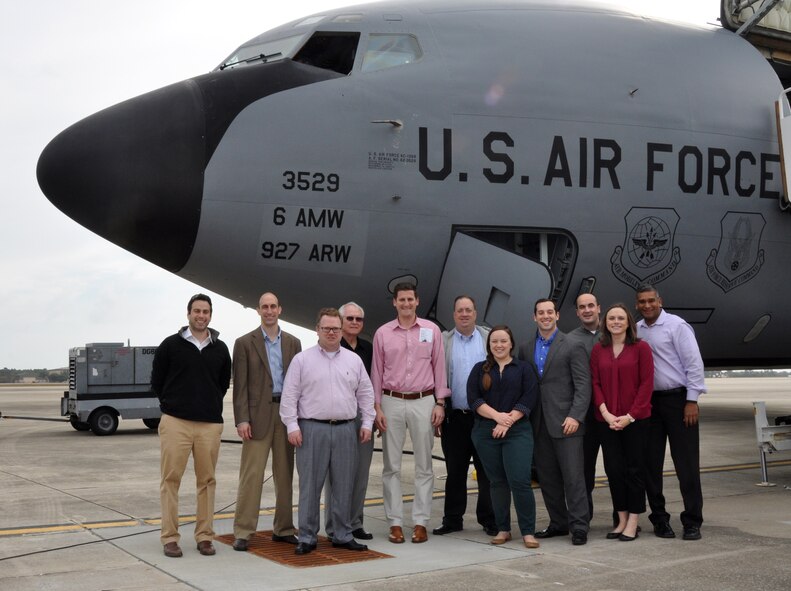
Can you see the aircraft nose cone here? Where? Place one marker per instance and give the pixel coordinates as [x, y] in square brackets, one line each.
[133, 173]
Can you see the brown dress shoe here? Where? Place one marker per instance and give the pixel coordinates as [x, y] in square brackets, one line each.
[419, 535]
[172, 550]
[206, 548]
[396, 534]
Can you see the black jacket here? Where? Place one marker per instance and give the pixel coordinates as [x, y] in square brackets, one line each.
[191, 383]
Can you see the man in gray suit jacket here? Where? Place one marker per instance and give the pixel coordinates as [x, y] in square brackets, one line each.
[260, 361]
[559, 423]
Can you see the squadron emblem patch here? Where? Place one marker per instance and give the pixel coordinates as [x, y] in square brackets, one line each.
[739, 257]
[647, 254]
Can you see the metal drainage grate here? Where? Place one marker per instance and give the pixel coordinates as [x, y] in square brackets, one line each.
[261, 545]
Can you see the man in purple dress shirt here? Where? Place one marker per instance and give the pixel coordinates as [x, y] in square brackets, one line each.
[325, 387]
[678, 381]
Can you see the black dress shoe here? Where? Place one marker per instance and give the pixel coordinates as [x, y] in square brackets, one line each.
[662, 529]
[551, 532]
[613, 535]
[491, 530]
[361, 534]
[292, 539]
[446, 529]
[691, 533]
[625, 538]
[579, 537]
[240, 545]
[304, 548]
[350, 545]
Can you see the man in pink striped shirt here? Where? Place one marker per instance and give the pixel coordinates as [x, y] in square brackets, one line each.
[410, 386]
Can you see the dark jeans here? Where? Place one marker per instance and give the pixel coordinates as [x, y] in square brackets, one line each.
[507, 462]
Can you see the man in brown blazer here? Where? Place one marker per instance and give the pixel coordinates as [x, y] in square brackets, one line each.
[260, 362]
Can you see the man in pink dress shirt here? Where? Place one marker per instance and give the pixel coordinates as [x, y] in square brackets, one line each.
[410, 386]
[325, 387]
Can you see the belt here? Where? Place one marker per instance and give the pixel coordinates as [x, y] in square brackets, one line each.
[275, 398]
[464, 411]
[409, 395]
[679, 390]
[330, 421]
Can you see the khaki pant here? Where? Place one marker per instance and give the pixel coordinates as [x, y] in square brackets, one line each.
[402, 416]
[178, 439]
[255, 453]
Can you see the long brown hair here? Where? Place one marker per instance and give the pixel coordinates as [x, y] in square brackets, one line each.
[486, 379]
[631, 329]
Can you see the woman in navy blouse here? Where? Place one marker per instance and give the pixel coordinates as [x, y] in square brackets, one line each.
[502, 391]
[622, 367]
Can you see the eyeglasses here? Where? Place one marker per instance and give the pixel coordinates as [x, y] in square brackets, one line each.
[329, 329]
[354, 319]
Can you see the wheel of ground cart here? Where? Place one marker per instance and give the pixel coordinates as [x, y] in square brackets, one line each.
[151, 423]
[103, 421]
[78, 424]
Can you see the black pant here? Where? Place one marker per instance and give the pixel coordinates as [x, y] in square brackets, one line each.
[667, 423]
[625, 454]
[458, 449]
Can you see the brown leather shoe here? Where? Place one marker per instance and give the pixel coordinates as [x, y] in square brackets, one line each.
[172, 550]
[419, 535]
[206, 548]
[396, 534]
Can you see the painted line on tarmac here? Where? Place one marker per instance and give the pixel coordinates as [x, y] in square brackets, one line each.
[372, 502]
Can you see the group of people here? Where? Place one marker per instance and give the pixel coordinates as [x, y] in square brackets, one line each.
[554, 401]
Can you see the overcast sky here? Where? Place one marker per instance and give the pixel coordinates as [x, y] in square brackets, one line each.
[60, 285]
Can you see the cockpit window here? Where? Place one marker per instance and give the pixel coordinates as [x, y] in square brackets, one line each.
[348, 18]
[266, 51]
[331, 51]
[387, 51]
[311, 20]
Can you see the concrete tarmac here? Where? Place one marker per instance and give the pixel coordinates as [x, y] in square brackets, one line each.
[80, 512]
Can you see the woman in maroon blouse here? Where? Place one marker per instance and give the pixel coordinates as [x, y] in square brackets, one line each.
[622, 367]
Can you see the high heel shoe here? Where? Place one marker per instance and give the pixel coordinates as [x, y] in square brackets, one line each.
[625, 538]
[614, 535]
[497, 541]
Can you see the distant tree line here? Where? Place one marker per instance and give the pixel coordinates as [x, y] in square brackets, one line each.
[17, 376]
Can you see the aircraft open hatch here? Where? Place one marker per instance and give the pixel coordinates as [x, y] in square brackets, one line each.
[505, 270]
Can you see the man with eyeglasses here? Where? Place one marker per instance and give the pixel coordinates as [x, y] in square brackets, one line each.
[325, 389]
[410, 386]
[190, 374]
[352, 318]
[260, 361]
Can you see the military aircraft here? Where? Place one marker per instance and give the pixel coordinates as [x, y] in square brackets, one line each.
[506, 149]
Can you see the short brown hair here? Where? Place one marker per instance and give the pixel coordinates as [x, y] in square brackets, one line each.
[331, 312]
[198, 297]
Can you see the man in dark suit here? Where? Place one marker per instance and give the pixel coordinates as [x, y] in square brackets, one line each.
[260, 361]
[589, 312]
[559, 423]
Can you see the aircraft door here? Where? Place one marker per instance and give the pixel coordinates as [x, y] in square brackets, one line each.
[503, 283]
